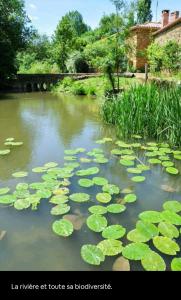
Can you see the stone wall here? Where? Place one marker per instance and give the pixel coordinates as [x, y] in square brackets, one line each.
[171, 34]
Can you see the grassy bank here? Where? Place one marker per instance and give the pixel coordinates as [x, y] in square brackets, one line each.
[97, 86]
[147, 110]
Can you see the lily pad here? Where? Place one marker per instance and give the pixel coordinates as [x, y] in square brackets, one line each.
[92, 255]
[116, 152]
[4, 191]
[176, 264]
[86, 183]
[137, 236]
[70, 152]
[130, 198]
[151, 216]
[167, 164]
[16, 143]
[96, 223]
[168, 230]
[138, 178]
[172, 170]
[153, 262]
[85, 160]
[44, 193]
[100, 181]
[114, 232]
[121, 264]
[62, 228]
[11, 139]
[80, 197]
[21, 204]
[59, 199]
[147, 229]
[39, 170]
[87, 172]
[166, 245]
[171, 217]
[110, 247]
[20, 174]
[7, 199]
[111, 189]
[21, 194]
[154, 161]
[61, 191]
[116, 208]
[50, 165]
[143, 167]
[126, 162]
[103, 197]
[101, 160]
[4, 152]
[22, 186]
[136, 251]
[172, 205]
[134, 170]
[60, 209]
[178, 157]
[98, 210]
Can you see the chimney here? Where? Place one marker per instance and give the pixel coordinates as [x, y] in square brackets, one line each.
[174, 16]
[165, 17]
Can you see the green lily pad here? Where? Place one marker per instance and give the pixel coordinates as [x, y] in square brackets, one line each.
[151, 216]
[167, 164]
[7, 199]
[153, 262]
[103, 197]
[172, 205]
[114, 232]
[168, 230]
[96, 223]
[21, 204]
[136, 236]
[20, 174]
[98, 210]
[92, 255]
[127, 163]
[50, 165]
[87, 172]
[85, 160]
[134, 170]
[22, 186]
[22, 194]
[147, 229]
[136, 145]
[172, 170]
[61, 191]
[171, 217]
[60, 209]
[127, 152]
[70, 152]
[70, 158]
[11, 139]
[16, 143]
[154, 161]
[151, 154]
[143, 167]
[86, 183]
[4, 191]
[36, 185]
[176, 264]
[80, 197]
[44, 193]
[100, 181]
[39, 170]
[4, 152]
[116, 152]
[136, 251]
[130, 198]
[111, 189]
[137, 136]
[138, 178]
[164, 158]
[59, 199]
[62, 228]
[121, 264]
[116, 208]
[128, 157]
[178, 157]
[101, 160]
[166, 245]
[110, 247]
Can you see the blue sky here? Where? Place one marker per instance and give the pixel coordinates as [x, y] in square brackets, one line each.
[45, 14]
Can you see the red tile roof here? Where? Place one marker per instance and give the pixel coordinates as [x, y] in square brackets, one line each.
[152, 25]
[170, 25]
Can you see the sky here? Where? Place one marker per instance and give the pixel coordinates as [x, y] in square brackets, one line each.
[45, 14]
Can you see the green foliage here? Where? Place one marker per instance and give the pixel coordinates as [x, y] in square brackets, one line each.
[144, 12]
[76, 63]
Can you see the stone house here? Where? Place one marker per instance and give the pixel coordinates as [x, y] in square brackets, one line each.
[142, 35]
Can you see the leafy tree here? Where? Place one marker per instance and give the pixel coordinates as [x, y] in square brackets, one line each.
[108, 24]
[77, 22]
[144, 12]
[15, 31]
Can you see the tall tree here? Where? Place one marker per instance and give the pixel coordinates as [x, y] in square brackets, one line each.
[144, 12]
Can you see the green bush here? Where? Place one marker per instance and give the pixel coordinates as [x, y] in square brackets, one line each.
[78, 89]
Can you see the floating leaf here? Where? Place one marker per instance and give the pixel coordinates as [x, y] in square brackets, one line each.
[39, 170]
[20, 174]
[176, 264]
[171, 217]
[80, 197]
[7, 199]
[110, 247]
[92, 255]
[136, 251]
[62, 228]
[172, 205]
[128, 157]
[61, 191]
[87, 172]
[130, 198]
[136, 145]
[44, 193]
[154, 161]
[153, 262]
[116, 208]
[60, 209]
[138, 178]
[165, 158]
[70, 152]
[168, 230]
[167, 164]
[116, 152]
[36, 185]
[21, 204]
[178, 157]
[121, 264]
[147, 229]
[58, 199]
[4, 191]
[166, 245]
[85, 160]
[100, 181]
[114, 232]
[103, 197]
[127, 163]
[151, 216]
[70, 158]
[77, 221]
[96, 223]
[50, 165]
[127, 191]
[98, 210]
[86, 183]
[143, 167]
[111, 189]
[172, 170]
[21, 194]
[4, 152]
[11, 139]
[101, 160]
[137, 236]
[134, 170]
[22, 186]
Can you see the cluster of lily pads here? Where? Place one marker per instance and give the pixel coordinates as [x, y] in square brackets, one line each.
[55, 186]
[9, 142]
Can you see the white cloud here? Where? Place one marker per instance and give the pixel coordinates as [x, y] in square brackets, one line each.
[33, 6]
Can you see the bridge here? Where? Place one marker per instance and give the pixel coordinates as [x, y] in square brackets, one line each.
[43, 82]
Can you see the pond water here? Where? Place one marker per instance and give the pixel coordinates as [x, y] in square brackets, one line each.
[49, 124]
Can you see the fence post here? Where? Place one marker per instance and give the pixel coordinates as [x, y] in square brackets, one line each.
[146, 73]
